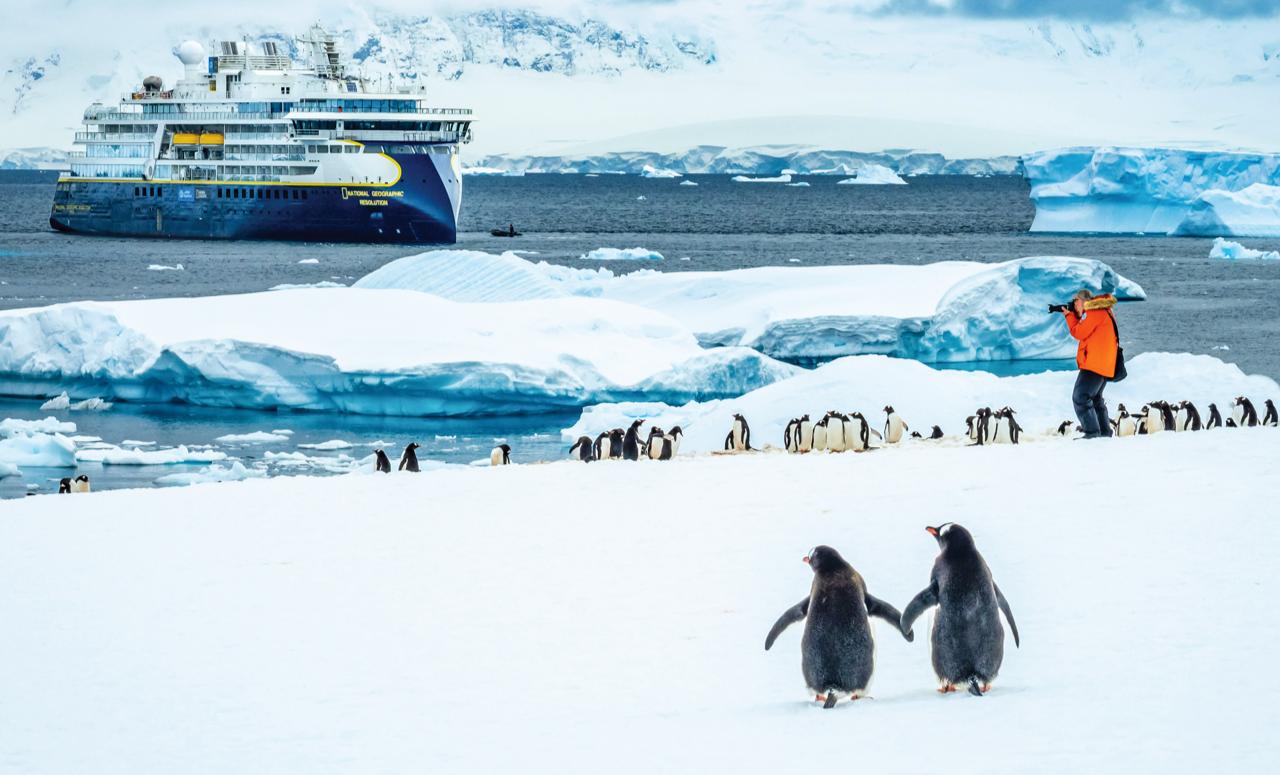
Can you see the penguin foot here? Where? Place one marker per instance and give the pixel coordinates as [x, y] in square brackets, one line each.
[947, 689]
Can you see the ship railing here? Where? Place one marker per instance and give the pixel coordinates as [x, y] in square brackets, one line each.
[122, 137]
[184, 117]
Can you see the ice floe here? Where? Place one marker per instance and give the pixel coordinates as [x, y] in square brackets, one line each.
[236, 472]
[14, 427]
[25, 448]
[774, 179]
[1232, 251]
[622, 254]
[63, 402]
[1155, 191]
[165, 268]
[331, 444]
[120, 456]
[254, 437]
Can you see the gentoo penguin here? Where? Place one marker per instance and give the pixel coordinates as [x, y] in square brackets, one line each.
[857, 432]
[409, 460]
[739, 438]
[1215, 418]
[603, 448]
[1270, 418]
[80, 484]
[820, 435]
[936, 433]
[631, 441]
[1244, 414]
[616, 437]
[1007, 428]
[381, 462]
[653, 445]
[836, 439]
[791, 436]
[1152, 419]
[967, 639]
[1065, 428]
[806, 433]
[1189, 417]
[583, 449]
[501, 455]
[893, 426]
[971, 427]
[64, 485]
[1166, 415]
[1231, 422]
[917, 435]
[1124, 424]
[838, 647]
[671, 444]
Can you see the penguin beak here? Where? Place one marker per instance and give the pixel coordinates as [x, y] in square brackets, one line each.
[933, 531]
[805, 560]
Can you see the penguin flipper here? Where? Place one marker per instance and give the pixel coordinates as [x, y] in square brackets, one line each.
[789, 617]
[1008, 614]
[974, 688]
[925, 600]
[878, 607]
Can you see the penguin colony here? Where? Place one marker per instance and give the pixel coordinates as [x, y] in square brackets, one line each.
[837, 650]
[619, 444]
[499, 456]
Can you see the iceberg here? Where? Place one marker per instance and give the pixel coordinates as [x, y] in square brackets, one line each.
[776, 179]
[8, 469]
[873, 175]
[650, 171]
[62, 401]
[350, 350]
[1253, 211]
[1232, 251]
[622, 254]
[1154, 191]
[944, 312]
[48, 450]
[688, 183]
[925, 397]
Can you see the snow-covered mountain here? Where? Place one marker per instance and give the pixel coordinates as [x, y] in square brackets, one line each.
[561, 77]
[33, 159]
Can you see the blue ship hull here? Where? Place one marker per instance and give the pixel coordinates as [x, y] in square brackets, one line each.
[419, 208]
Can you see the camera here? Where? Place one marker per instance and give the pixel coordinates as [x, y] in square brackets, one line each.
[1059, 308]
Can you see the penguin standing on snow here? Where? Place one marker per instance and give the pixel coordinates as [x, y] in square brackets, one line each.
[501, 455]
[838, 647]
[1215, 418]
[791, 436]
[1189, 417]
[1152, 421]
[64, 485]
[739, 438]
[806, 434]
[971, 427]
[603, 447]
[857, 433]
[671, 443]
[836, 439]
[631, 441]
[1067, 426]
[381, 462]
[936, 433]
[1007, 428]
[967, 639]
[409, 460]
[1270, 418]
[1124, 424]
[894, 427]
[1245, 415]
[80, 483]
[820, 435]
[583, 449]
[653, 445]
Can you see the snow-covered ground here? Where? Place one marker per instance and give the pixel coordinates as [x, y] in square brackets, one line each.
[1155, 191]
[614, 615]
[948, 311]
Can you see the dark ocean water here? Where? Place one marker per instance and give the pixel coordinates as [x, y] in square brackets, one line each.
[1194, 305]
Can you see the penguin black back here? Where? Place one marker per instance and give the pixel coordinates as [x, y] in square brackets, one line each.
[937, 432]
[1215, 417]
[631, 441]
[967, 638]
[409, 460]
[382, 462]
[838, 648]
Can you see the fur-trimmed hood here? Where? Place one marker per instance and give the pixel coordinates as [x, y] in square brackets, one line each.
[1100, 302]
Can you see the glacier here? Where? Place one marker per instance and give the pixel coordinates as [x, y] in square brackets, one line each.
[1155, 191]
[923, 397]
[356, 350]
[951, 311]
[761, 160]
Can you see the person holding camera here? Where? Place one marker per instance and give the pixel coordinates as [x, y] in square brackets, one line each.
[1092, 321]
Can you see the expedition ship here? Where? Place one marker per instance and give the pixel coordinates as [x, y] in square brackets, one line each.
[253, 145]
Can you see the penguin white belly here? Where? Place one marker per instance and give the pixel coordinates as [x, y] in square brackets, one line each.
[835, 436]
[675, 445]
[495, 457]
[893, 429]
[655, 449]
[806, 436]
[1155, 423]
[79, 486]
[819, 438]
[1126, 427]
[851, 440]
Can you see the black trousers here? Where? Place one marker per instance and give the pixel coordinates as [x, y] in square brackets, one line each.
[1091, 407]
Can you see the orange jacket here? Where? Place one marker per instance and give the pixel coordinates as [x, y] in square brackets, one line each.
[1097, 335]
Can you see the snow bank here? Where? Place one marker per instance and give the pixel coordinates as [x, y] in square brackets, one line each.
[335, 624]
[925, 397]
[873, 175]
[775, 179]
[52, 450]
[1154, 191]
[622, 254]
[1233, 251]
[359, 350]
[1250, 212]
[949, 311]
[13, 427]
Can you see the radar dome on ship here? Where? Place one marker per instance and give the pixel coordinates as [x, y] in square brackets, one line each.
[153, 83]
[190, 52]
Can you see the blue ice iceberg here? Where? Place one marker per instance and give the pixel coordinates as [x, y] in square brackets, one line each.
[1154, 191]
